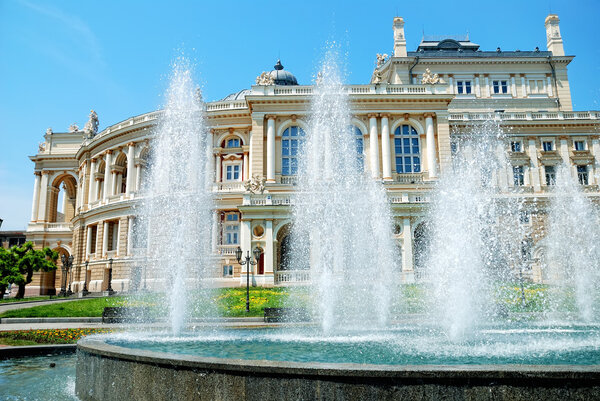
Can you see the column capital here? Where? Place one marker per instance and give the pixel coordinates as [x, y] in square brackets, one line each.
[130, 144]
[108, 151]
[37, 173]
[372, 115]
[385, 115]
[594, 137]
[45, 172]
[270, 116]
[429, 115]
[563, 137]
[532, 138]
[93, 160]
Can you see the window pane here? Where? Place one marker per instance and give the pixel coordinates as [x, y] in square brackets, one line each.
[294, 131]
[417, 164]
[399, 167]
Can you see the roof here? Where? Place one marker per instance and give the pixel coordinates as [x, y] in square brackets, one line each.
[461, 46]
[240, 95]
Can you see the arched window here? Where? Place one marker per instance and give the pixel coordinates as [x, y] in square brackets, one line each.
[406, 145]
[232, 143]
[292, 140]
[360, 149]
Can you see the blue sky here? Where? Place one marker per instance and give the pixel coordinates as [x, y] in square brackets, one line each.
[60, 59]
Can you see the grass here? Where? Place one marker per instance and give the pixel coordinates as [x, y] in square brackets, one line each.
[50, 336]
[9, 300]
[231, 302]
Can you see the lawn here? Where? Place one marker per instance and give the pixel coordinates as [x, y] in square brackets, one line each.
[231, 302]
[49, 336]
[9, 300]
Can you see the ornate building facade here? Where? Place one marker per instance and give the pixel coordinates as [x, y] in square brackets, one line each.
[87, 183]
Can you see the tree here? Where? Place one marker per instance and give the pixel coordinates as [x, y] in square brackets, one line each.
[9, 273]
[31, 260]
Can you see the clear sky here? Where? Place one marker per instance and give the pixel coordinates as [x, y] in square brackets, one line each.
[59, 59]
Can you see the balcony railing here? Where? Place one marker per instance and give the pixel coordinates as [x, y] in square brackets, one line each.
[227, 250]
[372, 89]
[526, 116]
[292, 276]
[408, 178]
[62, 226]
[229, 187]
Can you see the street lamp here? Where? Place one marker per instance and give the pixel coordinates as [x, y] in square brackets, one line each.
[248, 262]
[109, 289]
[85, 291]
[67, 262]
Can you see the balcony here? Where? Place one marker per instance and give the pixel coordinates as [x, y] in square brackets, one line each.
[227, 250]
[407, 178]
[292, 276]
[237, 186]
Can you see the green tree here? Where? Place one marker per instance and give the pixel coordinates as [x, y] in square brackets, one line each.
[31, 260]
[9, 273]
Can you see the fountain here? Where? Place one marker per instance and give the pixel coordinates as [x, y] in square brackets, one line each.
[176, 213]
[342, 222]
[464, 346]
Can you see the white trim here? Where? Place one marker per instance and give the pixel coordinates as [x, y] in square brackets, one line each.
[225, 135]
[290, 123]
[411, 121]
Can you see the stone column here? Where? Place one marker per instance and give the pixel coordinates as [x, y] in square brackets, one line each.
[36, 197]
[138, 176]
[523, 87]
[43, 207]
[107, 175]
[92, 184]
[373, 145]
[407, 247]
[430, 139]
[130, 168]
[451, 84]
[596, 151]
[105, 239]
[564, 151]
[502, 172]
[270, 148]
[246, 162]
[535, 170]
[477, 86]
[215, 232]
[513, 86]
[549, 80]
[269, 250]
[129, 234]
[88, 243]
[246, 245]
[487, 86]
[218, 166]
[386, 153]
[117, 232]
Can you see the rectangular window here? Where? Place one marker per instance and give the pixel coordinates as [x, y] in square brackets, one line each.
[233, 143]
[463, 87]
[579, 145]
[547, 146]
[550, 175]
[232, 172]
[227, 271]
[582, 175]
[500, 86]
[94, 238]
[536, 86]
[524, 217]
[518, 176]
[515, 146]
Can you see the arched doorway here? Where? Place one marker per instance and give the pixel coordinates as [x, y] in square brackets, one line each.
[421, 245]
[62, 199]
[260, 268]
[283, 248]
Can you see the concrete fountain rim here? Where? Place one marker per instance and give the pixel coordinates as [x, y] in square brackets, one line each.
[95, 346]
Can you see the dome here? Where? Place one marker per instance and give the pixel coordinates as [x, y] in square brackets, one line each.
[241, 95]
[282, 77]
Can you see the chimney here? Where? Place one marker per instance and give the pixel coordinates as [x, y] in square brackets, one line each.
[399, 39]
[554, 40]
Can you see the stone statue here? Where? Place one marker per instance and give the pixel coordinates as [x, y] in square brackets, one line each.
[265, 79]
[91, 127]
[429, 79]
[377, 78]
[381, 59]
[74, 127]
[319, 78]
[256, 184]
[49, 131]
[42, 147]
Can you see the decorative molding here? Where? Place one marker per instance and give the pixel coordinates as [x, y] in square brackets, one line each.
[429, 79]
[256, 184]
[265, 79]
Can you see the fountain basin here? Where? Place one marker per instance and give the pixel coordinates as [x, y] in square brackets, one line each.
[109, 369]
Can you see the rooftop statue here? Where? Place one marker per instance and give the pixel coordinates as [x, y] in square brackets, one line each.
[265, 79]
[91, 127]
[74, 127]
[49, 131]
[429, 79]
[381, 58]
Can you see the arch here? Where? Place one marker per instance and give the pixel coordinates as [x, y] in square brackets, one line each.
[289, 123]
[120, 184]
[411, 121]
[228, 134]
[421, 245]
[282, 234]
[144, 153]
[100, 170]
[62, 197]
[121, 159]
[361, 125]
[359, 144]
[407, 149]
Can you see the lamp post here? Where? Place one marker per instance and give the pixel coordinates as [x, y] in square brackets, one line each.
[67, 262]
[109, 289]
[248, 262]
[85, 291]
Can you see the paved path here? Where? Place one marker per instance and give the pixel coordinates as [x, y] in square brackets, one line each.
[30, 304]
